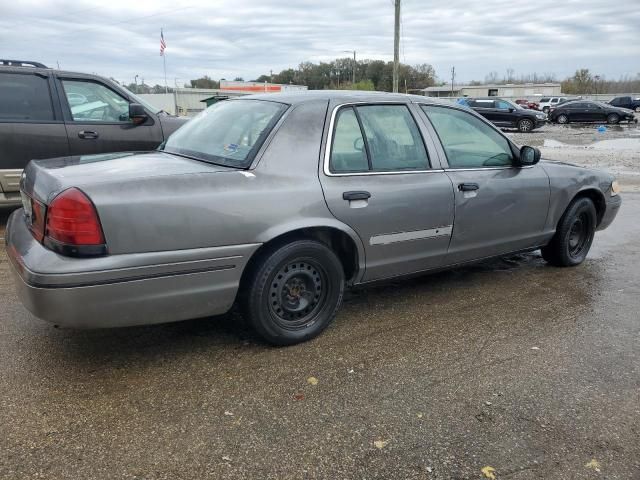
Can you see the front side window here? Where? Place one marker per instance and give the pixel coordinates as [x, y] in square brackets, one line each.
[468, 142]
[377, 138]
[94, 102]
[24, 98]
[227, 133]
[502, 105]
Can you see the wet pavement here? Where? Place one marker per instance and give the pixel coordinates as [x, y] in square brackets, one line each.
[511, 364]
[614, 148]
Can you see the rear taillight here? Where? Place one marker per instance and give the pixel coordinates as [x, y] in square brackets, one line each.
[73, 226]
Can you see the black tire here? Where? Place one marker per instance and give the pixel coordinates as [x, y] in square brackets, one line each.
[525, 125]
[574, 235]
[562, 119]
[613, 118]
[637, 109]
[293, 292]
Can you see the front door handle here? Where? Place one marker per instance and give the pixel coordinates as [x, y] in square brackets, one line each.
[468, 187]
[88, 134]
[359, 195]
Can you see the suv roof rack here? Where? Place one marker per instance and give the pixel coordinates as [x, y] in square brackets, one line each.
[21, 63]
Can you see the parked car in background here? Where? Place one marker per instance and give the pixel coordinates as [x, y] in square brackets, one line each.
[546, 103]
[626, 102]
[50, 113]
[506, 114]
[279, 201]
[528, 104]
[588, 111]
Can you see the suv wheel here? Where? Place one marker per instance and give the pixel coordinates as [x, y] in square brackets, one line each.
[637, 109]
[525, 125]
[613, 118]
[562, 118]
[294, 292]
[574, 235]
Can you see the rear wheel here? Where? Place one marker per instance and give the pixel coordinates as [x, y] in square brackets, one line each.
[574, 235]
[562, 118]
[294, 292]
[525, 125]
[613, 118]
[637, 109]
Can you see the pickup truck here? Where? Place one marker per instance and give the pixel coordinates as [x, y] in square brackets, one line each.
[626, 102]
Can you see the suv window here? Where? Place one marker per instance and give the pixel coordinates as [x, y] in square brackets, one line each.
[468, 141]
[544, 99]
[93, 102]
[391, 140]
[502, 105]
[25, 97]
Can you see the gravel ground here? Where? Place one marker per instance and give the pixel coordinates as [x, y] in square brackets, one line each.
[510, 365]
[617, 150]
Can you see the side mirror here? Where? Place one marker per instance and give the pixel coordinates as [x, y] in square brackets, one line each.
[511, 110]
[358, 144]
[529, 156]
[137, 114]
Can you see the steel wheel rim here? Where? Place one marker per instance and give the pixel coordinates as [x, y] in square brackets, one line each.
[579, 235]
[297, 293]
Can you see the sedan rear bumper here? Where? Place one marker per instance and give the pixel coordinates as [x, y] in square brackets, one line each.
[137, 289]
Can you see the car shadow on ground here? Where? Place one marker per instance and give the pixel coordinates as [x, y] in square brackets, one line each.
[225, 334]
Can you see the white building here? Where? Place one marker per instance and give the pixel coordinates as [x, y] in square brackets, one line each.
[525, 90]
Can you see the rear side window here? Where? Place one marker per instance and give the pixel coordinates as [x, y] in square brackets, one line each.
[544, 99]
[24, 98]
[377, 138]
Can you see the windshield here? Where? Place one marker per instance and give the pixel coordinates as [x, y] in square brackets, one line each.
[227, 133]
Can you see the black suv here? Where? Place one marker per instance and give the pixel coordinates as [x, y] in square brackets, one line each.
[50, 113]
[626, 102]
[506, 114]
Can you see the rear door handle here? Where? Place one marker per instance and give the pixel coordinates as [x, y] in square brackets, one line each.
[468, 187]
[359, 195]
[87, 134]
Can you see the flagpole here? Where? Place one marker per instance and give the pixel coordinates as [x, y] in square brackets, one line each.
[164, 61]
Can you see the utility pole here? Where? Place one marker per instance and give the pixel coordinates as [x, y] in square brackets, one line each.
[453, 77]
[396, 46]
[353, 70]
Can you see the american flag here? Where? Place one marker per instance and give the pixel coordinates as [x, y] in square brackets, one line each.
[163, 44]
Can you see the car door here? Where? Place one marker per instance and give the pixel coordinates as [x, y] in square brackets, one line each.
[578, 112]
[487, 108]
[504, 114]
[595, 113]
[31, 126]
[379, 179]
[499, 208]
[97, 119]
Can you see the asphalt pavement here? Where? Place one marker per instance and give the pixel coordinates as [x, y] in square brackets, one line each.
[509, 368]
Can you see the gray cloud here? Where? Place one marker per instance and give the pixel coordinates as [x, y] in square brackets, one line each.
[250, 37]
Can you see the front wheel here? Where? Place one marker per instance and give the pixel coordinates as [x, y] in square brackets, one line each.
[637, 109]
[613, 118]
[294, 292]
[574, 235]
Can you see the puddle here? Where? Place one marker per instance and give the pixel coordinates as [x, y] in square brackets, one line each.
[608, 144]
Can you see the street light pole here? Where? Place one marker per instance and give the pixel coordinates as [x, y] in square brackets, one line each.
[396, 46]
[353, 72]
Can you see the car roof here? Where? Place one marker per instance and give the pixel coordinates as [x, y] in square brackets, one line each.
[346, 96]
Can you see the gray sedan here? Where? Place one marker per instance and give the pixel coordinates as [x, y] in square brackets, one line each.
[278, 202]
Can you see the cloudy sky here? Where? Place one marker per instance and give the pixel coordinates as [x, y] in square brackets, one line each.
[246, 38]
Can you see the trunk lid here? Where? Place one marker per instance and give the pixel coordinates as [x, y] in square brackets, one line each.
[44, 179]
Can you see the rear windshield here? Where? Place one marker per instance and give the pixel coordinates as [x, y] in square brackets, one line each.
[227, 133]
